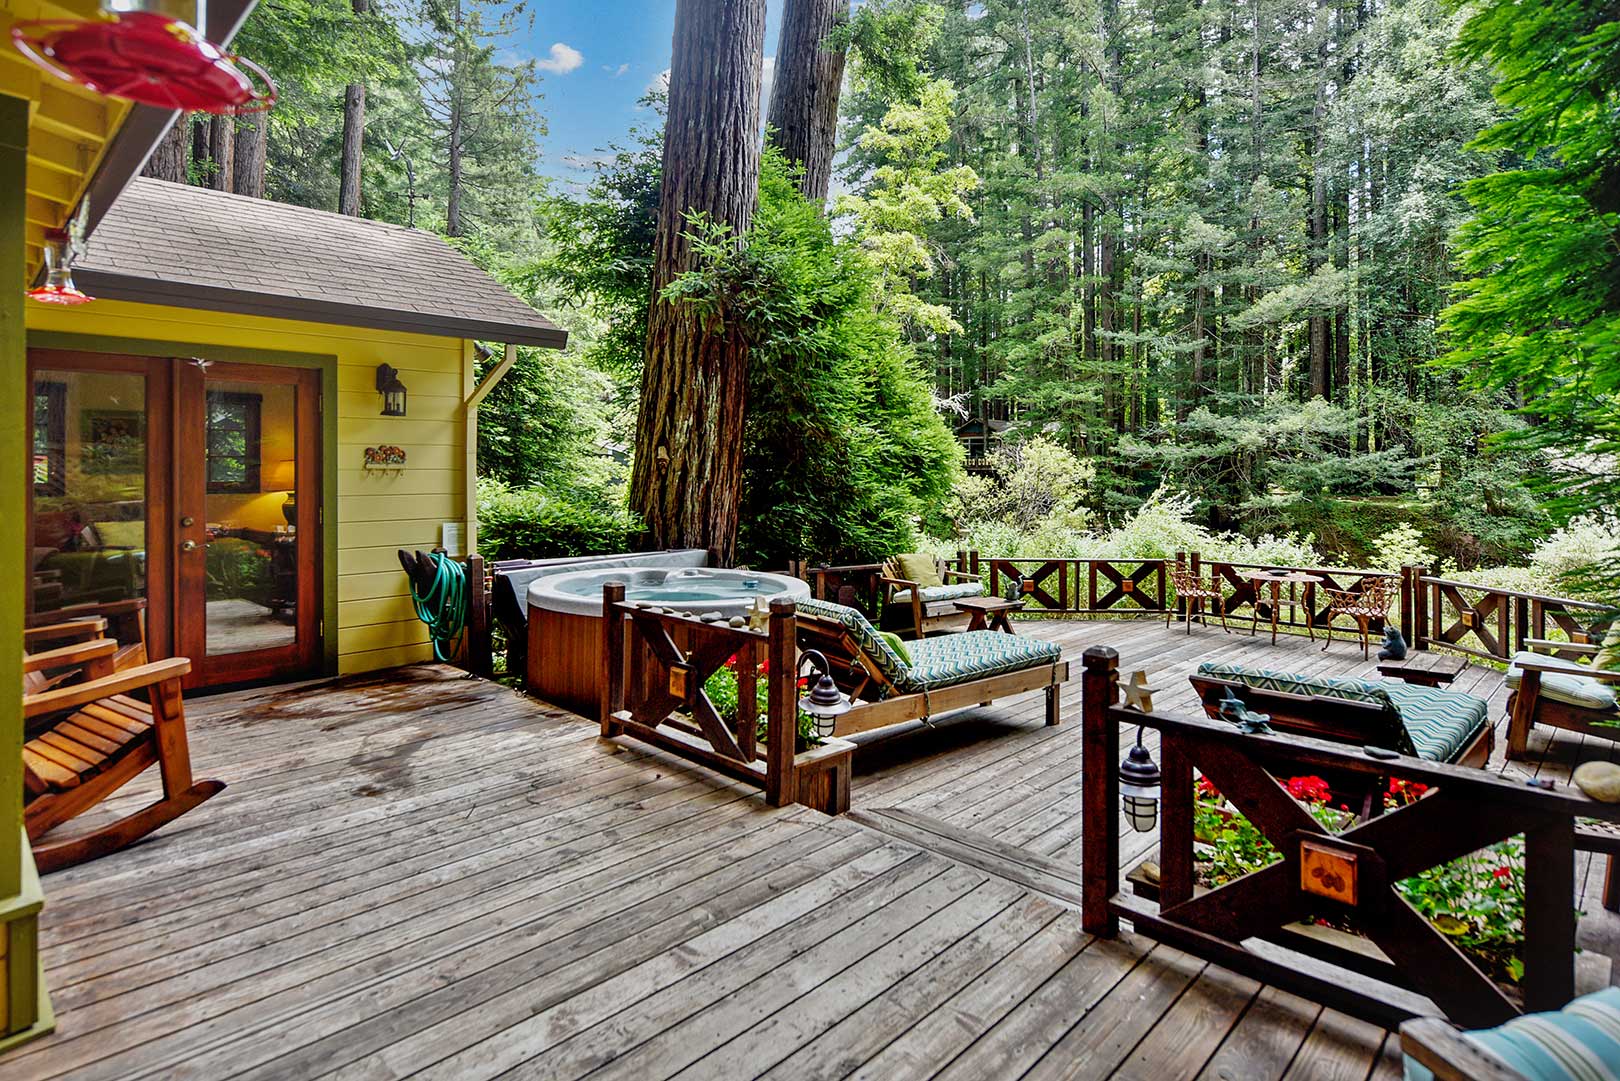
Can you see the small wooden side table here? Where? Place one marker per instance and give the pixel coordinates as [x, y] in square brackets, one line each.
[1424, 668]
[1276, 580]
[989, 613]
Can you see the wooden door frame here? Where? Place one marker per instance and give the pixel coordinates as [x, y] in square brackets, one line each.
[325, 363]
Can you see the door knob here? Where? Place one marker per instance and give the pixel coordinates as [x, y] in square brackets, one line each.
[188, 545]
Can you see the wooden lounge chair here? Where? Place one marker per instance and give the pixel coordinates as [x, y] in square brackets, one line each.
[1560, 693]
[123, 621]
[939, 675]
[1368, 605]
[924, 608]
[89, 739]
[1190, 588]
[1429, 722]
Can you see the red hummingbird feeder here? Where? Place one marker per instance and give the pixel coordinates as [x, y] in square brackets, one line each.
[148, 56]
[58, 287]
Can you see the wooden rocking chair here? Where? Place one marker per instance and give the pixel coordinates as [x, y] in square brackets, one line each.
[89, 739]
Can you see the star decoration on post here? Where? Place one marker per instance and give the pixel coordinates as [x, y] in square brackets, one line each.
[759, 615]
[1138, 695]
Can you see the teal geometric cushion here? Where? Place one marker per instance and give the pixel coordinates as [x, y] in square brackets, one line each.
[1569, 686]
[1577, 1043]
[866, 636]
[1441, 723]
[1384, 731]
[949, 592]
[960, 658]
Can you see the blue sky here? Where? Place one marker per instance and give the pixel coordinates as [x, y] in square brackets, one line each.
[597, 58]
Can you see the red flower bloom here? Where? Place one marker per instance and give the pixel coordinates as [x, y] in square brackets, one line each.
[1310, 789]
[1207, 790]
[1503, 872]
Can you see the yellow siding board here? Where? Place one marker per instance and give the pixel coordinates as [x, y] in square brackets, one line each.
[378, 511]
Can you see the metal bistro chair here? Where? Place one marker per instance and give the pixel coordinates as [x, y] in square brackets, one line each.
[1369, 601]
[1190, 587]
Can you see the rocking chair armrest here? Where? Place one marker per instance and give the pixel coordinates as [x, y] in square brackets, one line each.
[64, 656]
[81, 628]
[1450, 1055]
[82, 694]
[1547, 645]
[963, 576]
[892, 584]
[1602, 675]
[90, 610]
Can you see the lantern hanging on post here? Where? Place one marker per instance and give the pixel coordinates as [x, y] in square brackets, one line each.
[148, 51]
[1139, 787]
[392, 390]
[825, 702]
[61, 251]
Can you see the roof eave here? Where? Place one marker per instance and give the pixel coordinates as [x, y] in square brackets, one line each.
[114, 286]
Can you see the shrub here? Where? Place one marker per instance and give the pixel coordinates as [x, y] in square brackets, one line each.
[1399, 547]
[533, 523]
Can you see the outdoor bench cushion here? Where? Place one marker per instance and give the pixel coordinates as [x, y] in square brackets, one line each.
[1429, 722]
[949, 592]
[1573, 689]
[939, 662]
[961, 658]
[1579, 1042]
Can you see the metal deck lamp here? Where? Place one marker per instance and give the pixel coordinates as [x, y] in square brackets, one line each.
[825, 702]
[1139, 787]
[392, 390]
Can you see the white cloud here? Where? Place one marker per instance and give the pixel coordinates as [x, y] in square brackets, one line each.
[615, 72]
[767, 78]
[562, 60]
[659, 84]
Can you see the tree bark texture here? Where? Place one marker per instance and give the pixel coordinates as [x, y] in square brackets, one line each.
[251, 144]
[688, 464]
[804, 96]
[222, 152]
[354, 134]
[168, 160]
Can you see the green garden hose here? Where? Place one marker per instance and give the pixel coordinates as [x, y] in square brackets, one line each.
[444, 606]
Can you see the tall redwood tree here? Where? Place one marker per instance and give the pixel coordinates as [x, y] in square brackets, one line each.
[689, 431]
[804, 95]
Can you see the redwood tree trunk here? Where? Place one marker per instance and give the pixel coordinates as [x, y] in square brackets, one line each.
[168, 160]
[688, 464]
[804, 97]
[251, 136]
[354, 133]
[222, 152]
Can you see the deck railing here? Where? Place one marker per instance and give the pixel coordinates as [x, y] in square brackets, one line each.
[1259, 923]
[1491, 623]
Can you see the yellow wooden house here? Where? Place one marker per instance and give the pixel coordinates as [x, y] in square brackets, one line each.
[262, 404]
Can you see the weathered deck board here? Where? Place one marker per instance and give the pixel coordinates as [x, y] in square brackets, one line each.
[422, 875]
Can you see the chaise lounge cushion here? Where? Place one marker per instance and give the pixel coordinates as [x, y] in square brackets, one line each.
[1429, 722]
[948, 592]
[962, 658]
[1580, 1041]
[866, 636]
[1572, 689]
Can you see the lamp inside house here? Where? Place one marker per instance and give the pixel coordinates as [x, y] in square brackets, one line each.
[825, 702]
[148, 51]
[1139, 787]
[392, 390]
[58, 287]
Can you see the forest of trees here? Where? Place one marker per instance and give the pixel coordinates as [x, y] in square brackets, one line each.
[1203, 248]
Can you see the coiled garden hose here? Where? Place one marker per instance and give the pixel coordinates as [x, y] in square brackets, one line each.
[444, 606]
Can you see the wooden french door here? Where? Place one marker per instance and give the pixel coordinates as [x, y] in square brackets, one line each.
[194, 487]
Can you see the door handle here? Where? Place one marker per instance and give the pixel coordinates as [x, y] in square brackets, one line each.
[188, 545]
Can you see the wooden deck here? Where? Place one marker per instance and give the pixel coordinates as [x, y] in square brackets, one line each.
[419, 874]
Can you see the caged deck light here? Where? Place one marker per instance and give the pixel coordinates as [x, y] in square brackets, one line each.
[1139, 787]
[392, 390]
[825, 702]
[61, 251]
[147, 51]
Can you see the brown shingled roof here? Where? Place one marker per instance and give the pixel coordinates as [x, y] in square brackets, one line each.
[190, 247]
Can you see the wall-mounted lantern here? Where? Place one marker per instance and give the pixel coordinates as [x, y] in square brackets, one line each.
[392, 390]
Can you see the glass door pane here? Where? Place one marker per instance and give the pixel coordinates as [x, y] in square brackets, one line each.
[251, 480]
[89, 477]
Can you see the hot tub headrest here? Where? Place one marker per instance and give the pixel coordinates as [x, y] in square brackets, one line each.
[513, 578]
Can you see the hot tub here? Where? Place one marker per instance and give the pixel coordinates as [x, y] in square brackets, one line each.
[564, 663]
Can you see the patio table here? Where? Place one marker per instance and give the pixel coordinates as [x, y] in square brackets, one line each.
[1278, 579]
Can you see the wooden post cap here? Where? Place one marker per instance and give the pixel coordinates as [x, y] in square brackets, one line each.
[1100, 657]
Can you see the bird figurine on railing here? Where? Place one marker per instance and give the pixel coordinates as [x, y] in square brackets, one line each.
[1234, 709]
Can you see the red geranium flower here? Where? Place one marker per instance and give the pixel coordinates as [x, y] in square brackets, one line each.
[1503, 872]
[1310, 789]
[1207, 790]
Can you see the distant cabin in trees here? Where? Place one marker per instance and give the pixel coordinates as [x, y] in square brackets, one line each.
[980, 438]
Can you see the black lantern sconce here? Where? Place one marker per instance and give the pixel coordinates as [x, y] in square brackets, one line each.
[392, 391]
[825, 702]
[1139, 787]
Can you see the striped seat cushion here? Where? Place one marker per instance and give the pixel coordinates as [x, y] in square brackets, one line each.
[1429, 722]
[1581, 1042]
[1570, 686]
[961, 658]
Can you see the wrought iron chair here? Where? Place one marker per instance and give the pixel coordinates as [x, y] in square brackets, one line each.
[1190, 587]
[1367, 603]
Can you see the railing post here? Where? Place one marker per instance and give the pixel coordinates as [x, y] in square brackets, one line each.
[480, 649]
[1420, 608]
[1549, 914]
[962, 560]
[1181, 565]
[1408, 593]
[613, 632]
[1099, 821]
[1195, 566]
[1521, 625]
[974, 555]
[781, 726]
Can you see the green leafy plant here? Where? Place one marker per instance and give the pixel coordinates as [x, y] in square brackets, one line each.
[724, 694]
